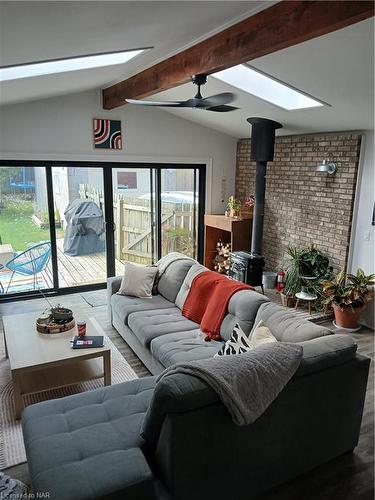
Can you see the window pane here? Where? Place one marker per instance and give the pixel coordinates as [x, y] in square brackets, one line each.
[179, 194]
[25, 242]
[133, 206]
[79, 212]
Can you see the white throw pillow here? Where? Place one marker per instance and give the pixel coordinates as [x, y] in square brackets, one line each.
[240, 343]
[138, 281]
[261, 335]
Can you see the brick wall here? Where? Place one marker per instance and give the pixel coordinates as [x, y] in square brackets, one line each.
[304, 206]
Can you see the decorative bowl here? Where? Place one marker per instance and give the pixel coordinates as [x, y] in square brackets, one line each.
[61, 313]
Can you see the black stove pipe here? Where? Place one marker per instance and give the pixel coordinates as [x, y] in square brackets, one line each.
[262, 149]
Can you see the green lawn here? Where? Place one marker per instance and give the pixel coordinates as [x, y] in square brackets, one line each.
[17, 228]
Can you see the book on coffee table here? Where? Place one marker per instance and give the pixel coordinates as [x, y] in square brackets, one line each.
[87, 342]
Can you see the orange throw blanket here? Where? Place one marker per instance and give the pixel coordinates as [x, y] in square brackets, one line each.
[207, 302]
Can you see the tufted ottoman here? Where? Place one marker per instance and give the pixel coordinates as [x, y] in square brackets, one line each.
[88, 445]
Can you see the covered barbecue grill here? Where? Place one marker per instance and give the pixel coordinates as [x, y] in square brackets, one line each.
[85, 229]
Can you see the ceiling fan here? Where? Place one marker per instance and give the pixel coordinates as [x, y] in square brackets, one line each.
[218, 102]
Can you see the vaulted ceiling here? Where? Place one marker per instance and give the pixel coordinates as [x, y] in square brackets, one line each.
[337, 68]
[37, 31]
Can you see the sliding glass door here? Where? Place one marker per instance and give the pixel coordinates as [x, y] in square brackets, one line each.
[157, 211]
[67, 226]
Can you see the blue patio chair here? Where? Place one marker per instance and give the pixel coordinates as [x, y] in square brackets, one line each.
[31, 262]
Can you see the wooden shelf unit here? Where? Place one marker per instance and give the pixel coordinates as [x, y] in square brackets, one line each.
[237, 232]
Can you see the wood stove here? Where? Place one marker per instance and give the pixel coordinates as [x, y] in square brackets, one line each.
[248, 266]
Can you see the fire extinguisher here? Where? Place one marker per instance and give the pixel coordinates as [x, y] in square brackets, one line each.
[280, 281]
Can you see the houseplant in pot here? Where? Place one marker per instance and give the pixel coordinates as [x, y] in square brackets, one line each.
[293, 277]
[306, 270]
[348, 295]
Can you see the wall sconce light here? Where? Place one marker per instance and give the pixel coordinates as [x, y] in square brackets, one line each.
[327, 167]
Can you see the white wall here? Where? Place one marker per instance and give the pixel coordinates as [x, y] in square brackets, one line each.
[61, 128]
[363, 233]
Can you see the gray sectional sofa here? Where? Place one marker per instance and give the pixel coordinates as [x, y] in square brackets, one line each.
[174, 439]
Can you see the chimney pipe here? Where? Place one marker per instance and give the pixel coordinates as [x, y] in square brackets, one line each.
[262, 149]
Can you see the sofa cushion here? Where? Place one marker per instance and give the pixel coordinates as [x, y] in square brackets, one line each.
[186, 285]
[286, 326]
[124, 305]
[242, 309]
[183, 346]
[147, 325]
[172, 278]
[69, 437]
[325, 352]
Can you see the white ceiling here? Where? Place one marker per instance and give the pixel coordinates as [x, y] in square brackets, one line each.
[36, 31]
[337, 68]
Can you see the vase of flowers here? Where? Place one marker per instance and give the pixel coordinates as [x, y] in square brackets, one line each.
[247, 207]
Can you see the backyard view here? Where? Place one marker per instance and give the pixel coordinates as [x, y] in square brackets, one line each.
[80, 223]
[15, 223]
[24, 237]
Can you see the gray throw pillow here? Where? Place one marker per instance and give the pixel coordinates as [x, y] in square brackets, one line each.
[138, 281]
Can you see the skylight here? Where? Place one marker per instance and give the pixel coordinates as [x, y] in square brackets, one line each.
[64, 65]
[265, 87]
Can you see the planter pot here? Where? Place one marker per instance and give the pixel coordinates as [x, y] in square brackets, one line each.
[347, 317]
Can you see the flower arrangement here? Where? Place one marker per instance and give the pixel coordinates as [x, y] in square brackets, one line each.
[235, 206]
[249, 201]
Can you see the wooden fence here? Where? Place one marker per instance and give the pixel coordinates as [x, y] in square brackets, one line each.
[134, 236]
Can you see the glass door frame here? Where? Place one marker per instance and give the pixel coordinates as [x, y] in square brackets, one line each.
[107, 169]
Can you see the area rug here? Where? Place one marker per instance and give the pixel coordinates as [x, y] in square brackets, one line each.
[12, 451]
[96, 298]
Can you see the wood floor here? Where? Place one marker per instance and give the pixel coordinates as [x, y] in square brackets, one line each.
[350, 477]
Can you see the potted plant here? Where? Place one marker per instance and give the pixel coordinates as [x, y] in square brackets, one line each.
[233, 207]
[348, 295]
[306, 271]
[313, 264]
[293, 277]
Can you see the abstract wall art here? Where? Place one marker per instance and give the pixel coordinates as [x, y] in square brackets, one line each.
[107, 134]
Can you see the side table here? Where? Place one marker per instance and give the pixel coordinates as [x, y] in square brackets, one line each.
[309, 298]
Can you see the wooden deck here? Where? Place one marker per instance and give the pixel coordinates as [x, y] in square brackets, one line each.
[73, 271]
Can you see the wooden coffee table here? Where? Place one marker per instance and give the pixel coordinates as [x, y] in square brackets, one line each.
[40, 362]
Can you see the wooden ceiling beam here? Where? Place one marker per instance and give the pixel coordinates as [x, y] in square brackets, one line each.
[282, 25]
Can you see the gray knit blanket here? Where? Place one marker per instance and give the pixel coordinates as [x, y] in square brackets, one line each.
[246, 383]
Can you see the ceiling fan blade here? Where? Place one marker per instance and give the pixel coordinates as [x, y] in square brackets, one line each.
[193, 103]
[221, 109]
[218, 99]
[171, 104]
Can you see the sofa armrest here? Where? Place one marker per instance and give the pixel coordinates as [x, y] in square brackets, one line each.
[178, 393]
[113, 286]
[325, 352]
